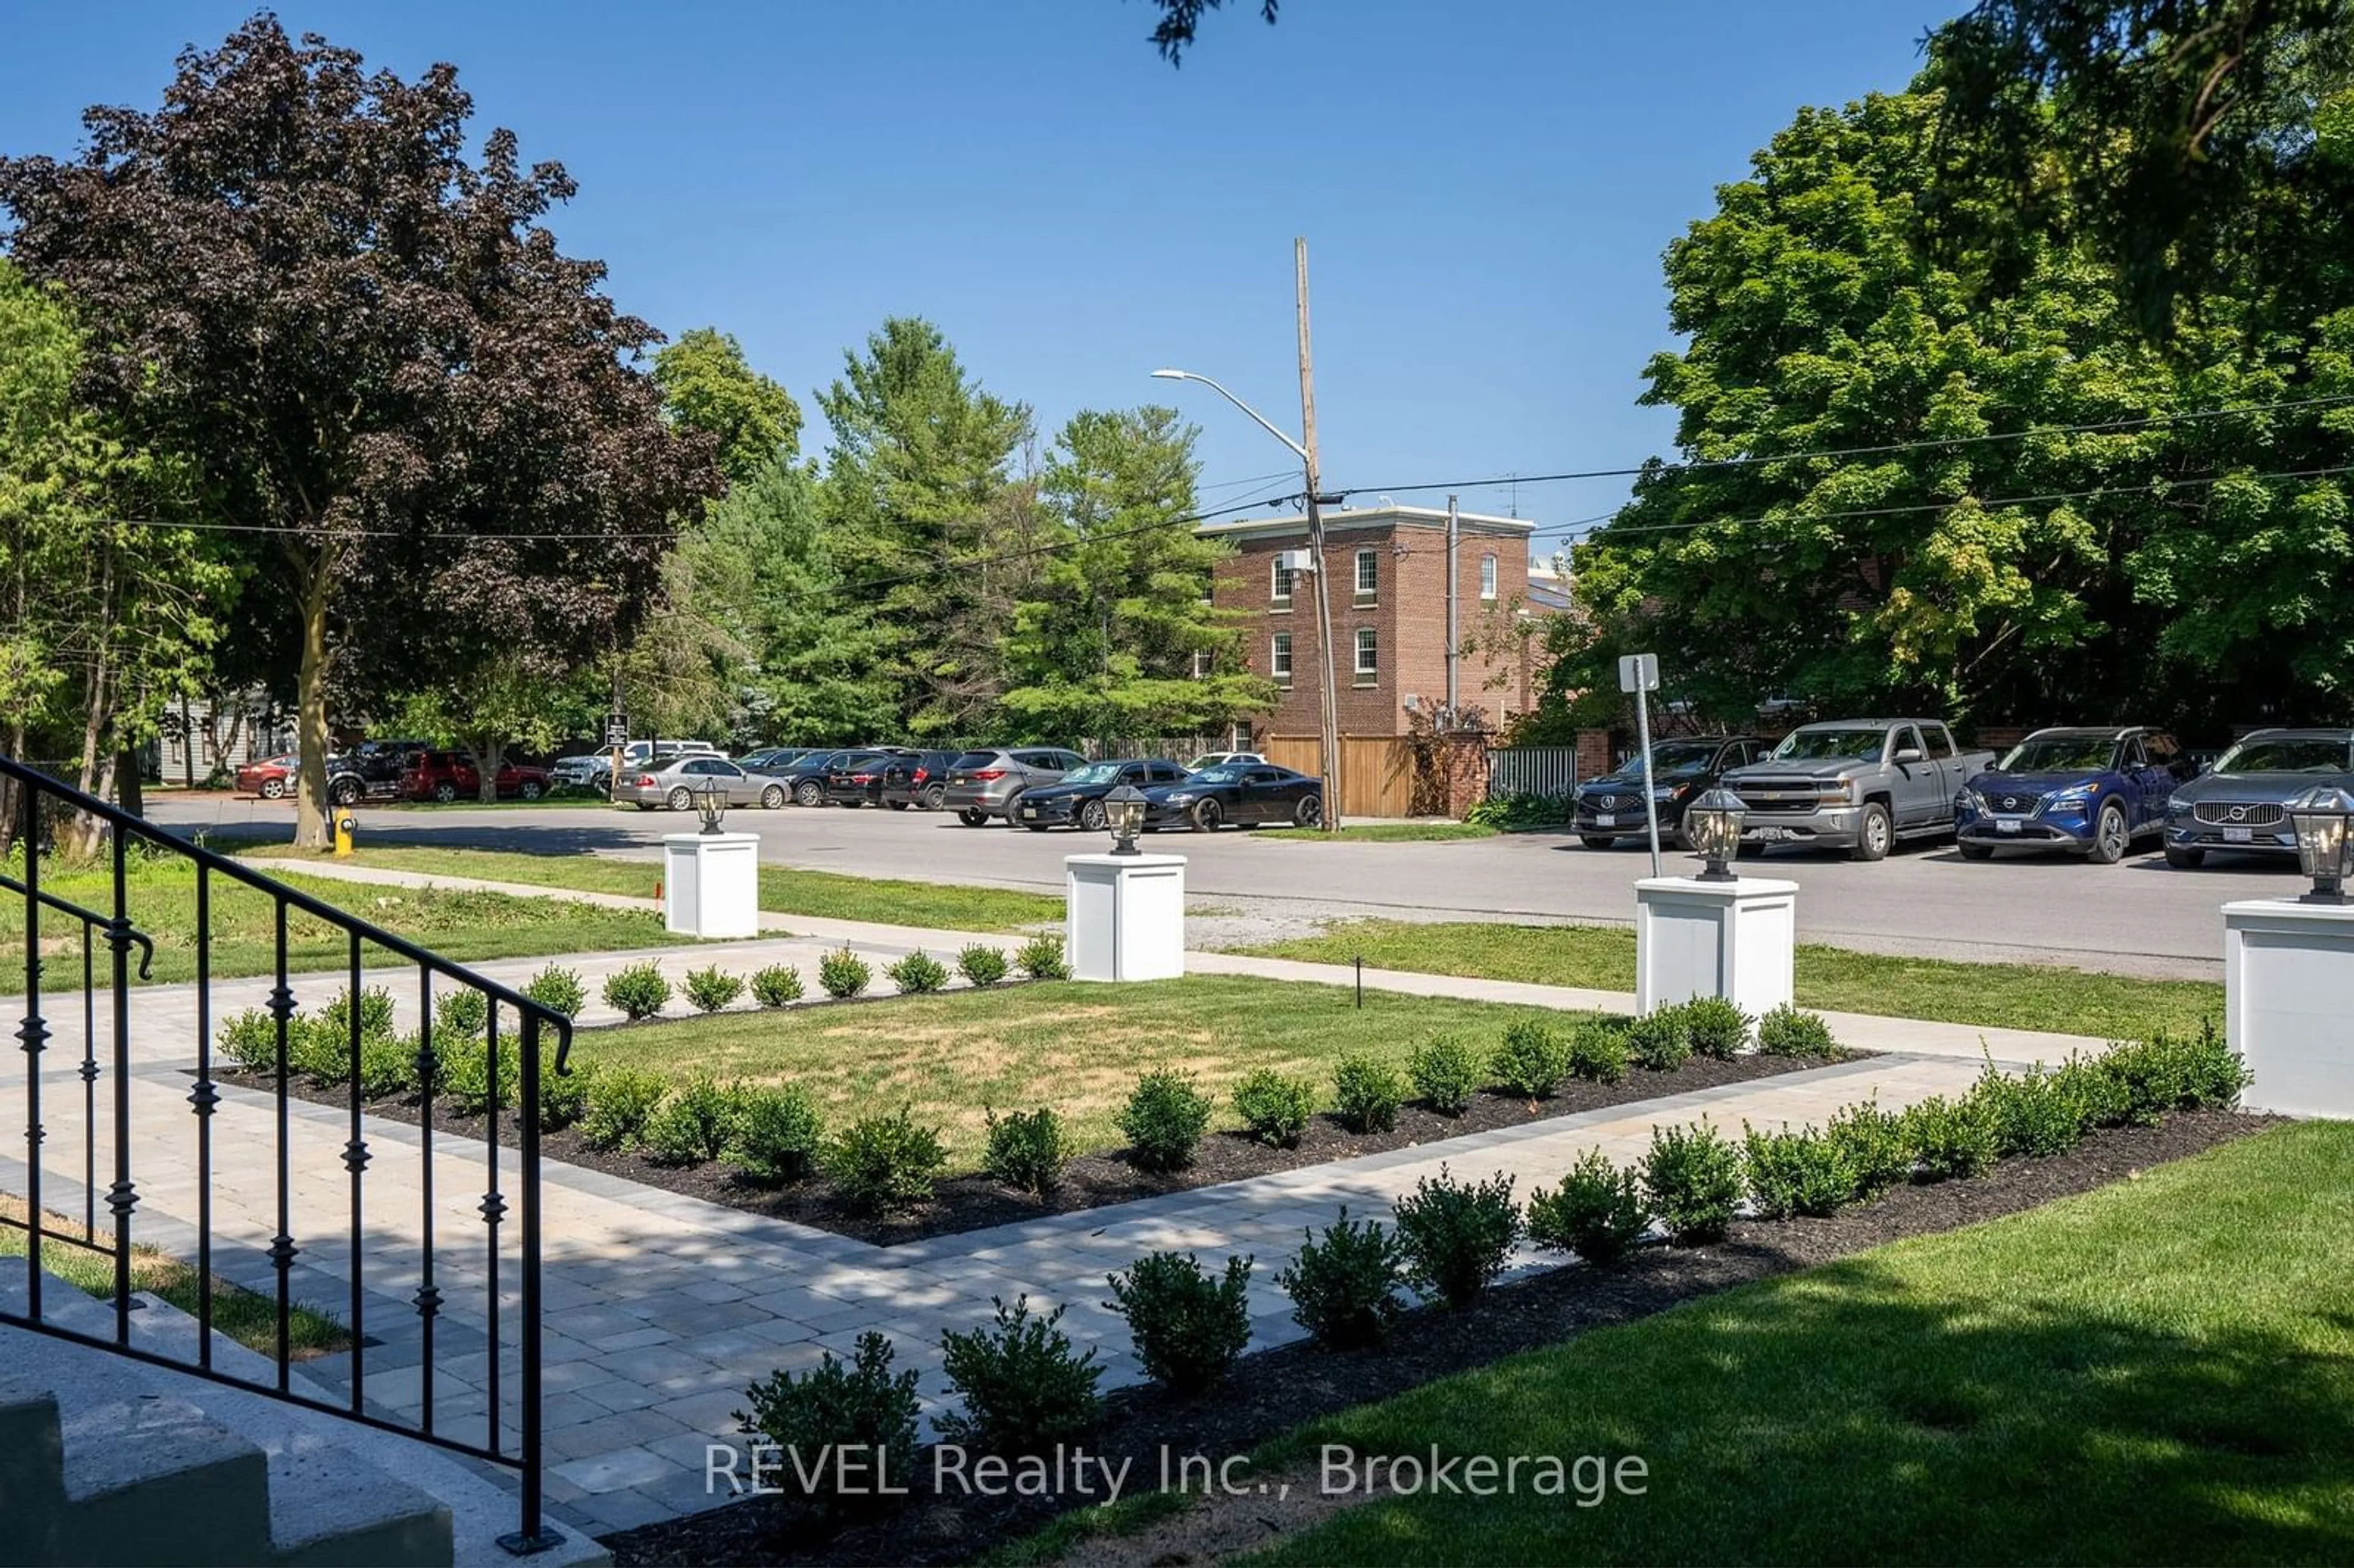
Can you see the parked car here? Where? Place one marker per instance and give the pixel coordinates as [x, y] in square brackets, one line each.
[675, 784]
[1611, 806]
[2091, 792]
[2241, 803]
[1860, 785]
[1222, 759]
[805, 780]
[1248, 795]
[577, 772]
[372, 770]
[771, 758]
[921, 780]
[452, 775]
[990, 782]
[1076, 800]
[271, 777]
[852, 776]
[639, 756]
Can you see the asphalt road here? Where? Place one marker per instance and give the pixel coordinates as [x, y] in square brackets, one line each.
[2138, 916]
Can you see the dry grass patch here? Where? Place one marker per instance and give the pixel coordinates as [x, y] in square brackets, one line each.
[1077, 1048]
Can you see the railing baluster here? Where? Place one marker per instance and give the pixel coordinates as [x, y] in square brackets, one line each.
[121, 1197]
[204, 1097]
[429, 1296]
[32, 1035]
[356, 1158]
[495, 1208]
[281, 1246]
[527, 1105]
[89, 1092]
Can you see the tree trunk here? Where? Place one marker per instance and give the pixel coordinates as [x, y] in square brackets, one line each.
[488, 758]
[97, 769]
[130, 787]
[311, 709]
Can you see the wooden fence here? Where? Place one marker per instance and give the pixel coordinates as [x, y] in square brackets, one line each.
[1377, 774]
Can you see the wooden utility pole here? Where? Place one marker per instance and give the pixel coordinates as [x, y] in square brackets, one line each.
[1330, 706]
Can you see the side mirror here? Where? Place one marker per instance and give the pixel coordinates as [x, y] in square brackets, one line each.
[1906, 753]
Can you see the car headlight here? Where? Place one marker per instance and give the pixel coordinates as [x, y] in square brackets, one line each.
[2074, 795]
[1972, 800]
[1666, 791]
[2177, 804]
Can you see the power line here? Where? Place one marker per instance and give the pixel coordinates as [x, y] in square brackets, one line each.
[1706, 464]
[1986, 504]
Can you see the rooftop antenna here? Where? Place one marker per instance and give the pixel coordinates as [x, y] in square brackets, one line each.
[1515, 477]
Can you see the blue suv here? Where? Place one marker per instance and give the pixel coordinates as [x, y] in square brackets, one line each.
[2089, 791]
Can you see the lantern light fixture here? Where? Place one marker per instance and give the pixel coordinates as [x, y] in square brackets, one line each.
[2323, 819]
[1124, 815]
[1713, 825]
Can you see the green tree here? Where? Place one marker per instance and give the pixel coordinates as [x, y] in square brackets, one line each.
[507, 706]
[1105, 643]
[107, 606]
[706, 383]
[817, 669]
[2057, 577]
[413, 406]
[927, 519]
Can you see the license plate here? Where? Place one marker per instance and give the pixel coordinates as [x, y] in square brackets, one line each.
[1606, 821]
[1029, 812]
[2006, 827]
[956, 777]
[1767, 836]
[2238, 835]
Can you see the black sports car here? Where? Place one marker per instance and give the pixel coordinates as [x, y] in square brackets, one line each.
[1078, 800]
[1247, 794]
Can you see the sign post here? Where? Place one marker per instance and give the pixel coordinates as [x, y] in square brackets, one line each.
[617, 736]
[1639, 673]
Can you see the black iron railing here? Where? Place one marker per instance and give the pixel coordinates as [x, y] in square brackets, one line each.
[41, 799]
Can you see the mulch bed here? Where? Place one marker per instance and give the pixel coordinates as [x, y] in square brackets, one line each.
[1286, 1387]
[975, 1203]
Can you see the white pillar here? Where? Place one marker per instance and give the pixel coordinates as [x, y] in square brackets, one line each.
[2288, 1003]
[711, 883]
[1124, 916]
[1734, 940]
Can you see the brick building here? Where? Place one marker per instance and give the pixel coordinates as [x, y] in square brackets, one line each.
[1387, 571]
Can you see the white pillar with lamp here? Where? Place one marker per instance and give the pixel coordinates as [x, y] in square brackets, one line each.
[2288, 973]
[1716, 933]
[1124, 911]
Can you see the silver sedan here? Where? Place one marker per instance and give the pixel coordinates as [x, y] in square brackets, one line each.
[680, 780]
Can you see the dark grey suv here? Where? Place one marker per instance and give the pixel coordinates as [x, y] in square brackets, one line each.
[985, 784]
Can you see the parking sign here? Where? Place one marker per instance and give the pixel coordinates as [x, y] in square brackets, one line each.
[617, 732]
[1638, 673]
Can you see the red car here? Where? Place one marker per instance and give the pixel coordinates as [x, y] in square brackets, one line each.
[449, 776]
[271, 777]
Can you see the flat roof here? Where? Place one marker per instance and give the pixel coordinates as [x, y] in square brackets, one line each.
[1347, 517]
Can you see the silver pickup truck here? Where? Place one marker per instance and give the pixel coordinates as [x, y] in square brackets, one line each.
[1858, 785]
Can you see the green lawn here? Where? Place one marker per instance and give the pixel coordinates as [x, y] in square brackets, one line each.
[2159, 1372]
[249, 1318]
[2009, 996]
[1079, 1049]
[161, 897]
[825, 895]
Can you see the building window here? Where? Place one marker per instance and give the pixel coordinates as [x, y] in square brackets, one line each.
[1200, 664]
[1369, 575]
[1368, 652]
[1487, 577]
[1279, 659]
[1240, 740]
[1279, 585]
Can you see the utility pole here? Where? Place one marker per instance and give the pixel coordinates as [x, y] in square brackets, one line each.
[1330, 714]
[1454, 541]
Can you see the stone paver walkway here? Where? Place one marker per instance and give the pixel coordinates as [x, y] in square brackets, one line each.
[661, 1308]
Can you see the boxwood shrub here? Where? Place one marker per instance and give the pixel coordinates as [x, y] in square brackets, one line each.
[1188, 1327]
[1274, 1106]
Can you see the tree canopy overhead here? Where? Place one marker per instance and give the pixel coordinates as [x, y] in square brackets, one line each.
[395, 389]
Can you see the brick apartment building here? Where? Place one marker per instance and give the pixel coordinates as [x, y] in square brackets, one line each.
[1387, 571]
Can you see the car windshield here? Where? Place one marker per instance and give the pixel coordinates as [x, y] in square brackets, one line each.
[1093, 773]
[1217, 775]
[2061, 753]
[1827, 745]
[2293, 756]
[1678, 757]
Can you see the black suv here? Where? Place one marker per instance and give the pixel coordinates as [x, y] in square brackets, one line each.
[1611, 807]
[371, 770]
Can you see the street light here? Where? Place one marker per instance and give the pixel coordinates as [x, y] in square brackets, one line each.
[711, 801]
[1712, 824]
[1124, 812]
[2323, 819]
[1329, 720]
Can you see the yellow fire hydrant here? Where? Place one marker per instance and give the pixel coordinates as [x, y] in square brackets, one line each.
[346, 825]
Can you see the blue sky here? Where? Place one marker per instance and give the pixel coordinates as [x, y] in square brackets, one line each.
[1485, 190]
